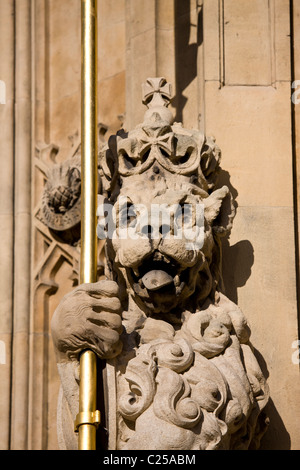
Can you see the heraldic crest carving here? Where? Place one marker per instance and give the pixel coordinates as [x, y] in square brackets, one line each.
[181, 369]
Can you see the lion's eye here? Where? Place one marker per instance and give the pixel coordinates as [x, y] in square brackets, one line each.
[128, 216]
[184, 215]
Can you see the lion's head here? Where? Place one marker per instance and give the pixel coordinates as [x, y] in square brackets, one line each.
[166, 217]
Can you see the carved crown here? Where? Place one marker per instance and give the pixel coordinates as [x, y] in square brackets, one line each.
[159, 141]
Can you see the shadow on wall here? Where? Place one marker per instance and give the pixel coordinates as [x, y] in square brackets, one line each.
[276, 437]
[185, 53]
[238, 260]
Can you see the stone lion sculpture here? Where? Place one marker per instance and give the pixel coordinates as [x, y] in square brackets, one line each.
[183, 374]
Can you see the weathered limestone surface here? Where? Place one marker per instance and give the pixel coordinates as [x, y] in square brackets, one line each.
[225, 85]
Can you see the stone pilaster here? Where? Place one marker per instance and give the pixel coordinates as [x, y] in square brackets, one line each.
[7, 53]
[22, 229]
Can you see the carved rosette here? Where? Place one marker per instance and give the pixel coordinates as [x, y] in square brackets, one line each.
[60, 205]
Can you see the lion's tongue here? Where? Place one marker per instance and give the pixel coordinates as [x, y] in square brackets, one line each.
[156, 279]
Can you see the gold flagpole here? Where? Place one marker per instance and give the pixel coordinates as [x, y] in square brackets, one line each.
[88, 417]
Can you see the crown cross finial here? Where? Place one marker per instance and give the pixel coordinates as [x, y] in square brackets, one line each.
[156, 92]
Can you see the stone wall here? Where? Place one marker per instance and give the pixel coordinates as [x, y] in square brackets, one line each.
[231, 64]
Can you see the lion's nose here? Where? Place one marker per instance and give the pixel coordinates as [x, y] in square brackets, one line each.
[147, 230]
[154, 231]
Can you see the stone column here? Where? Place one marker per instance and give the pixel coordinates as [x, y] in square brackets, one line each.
[7, 13]
[22, 232]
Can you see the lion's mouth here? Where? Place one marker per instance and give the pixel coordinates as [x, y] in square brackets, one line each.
[158, 273]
